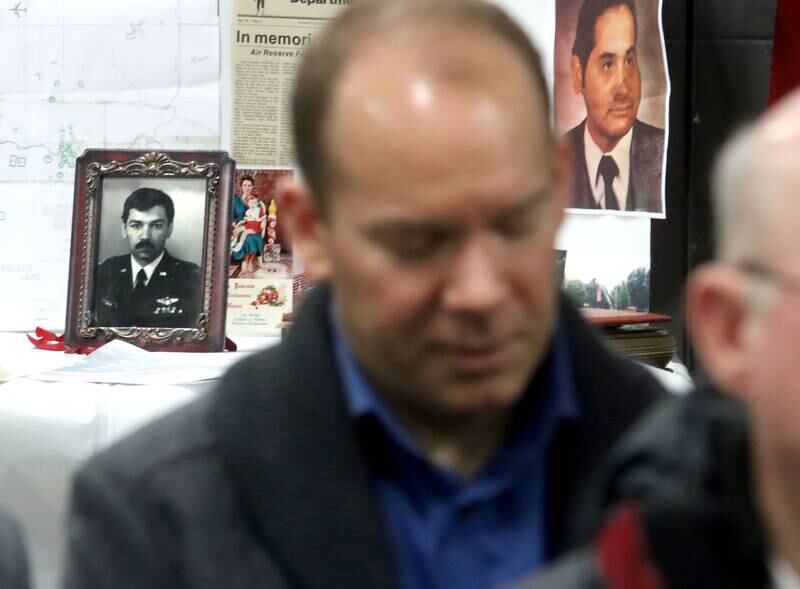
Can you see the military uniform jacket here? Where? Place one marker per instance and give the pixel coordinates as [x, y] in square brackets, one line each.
[170, 299]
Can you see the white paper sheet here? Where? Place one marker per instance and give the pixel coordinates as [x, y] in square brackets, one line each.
[118, 362]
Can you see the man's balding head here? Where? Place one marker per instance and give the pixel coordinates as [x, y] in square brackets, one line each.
[432, 193]
[368, 21]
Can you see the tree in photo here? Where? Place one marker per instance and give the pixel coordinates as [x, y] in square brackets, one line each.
[576, 290]
[639, 289]
[620, 297]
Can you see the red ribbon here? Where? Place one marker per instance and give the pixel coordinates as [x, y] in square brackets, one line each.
[47, 340]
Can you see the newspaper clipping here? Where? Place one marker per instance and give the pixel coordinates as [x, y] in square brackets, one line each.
[267, 42]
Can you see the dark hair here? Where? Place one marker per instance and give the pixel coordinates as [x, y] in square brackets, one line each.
[330, 51]
[248, 177]
[144, 199]
[590, 12]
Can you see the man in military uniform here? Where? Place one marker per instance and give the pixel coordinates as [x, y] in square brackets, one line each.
[149, 287]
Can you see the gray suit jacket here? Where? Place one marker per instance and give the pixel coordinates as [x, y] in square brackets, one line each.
[647, 159]
[264, 483]
[13, 555]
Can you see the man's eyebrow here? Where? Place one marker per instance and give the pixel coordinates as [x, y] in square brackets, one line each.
[612, 55]
[403, 226]
[143, 221]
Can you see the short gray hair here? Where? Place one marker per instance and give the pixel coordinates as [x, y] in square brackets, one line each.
[733, 193]
[749, 182]
[739, 218]
[750, 187]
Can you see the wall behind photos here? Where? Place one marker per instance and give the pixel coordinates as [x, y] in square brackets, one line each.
[146, 75]
[142, 75]
[719, 54]
[123, 75]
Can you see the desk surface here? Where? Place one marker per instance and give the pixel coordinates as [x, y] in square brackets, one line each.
[48, 428]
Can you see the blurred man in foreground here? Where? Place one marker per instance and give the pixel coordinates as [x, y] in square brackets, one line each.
[706, 492]
[436, 407]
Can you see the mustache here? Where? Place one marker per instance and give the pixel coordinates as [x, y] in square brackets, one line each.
[144, 244]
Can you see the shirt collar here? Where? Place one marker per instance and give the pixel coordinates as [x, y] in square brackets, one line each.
[621, 155]
[361, 397]
[550, 396]
[148, 270]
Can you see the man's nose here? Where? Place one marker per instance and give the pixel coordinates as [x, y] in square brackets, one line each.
[622, 82]
[475, 282]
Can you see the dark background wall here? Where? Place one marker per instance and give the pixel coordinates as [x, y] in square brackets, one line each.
[719, 54]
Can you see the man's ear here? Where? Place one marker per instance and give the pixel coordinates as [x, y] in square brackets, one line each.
[123, 233]
[307, 228]
[577, 74]
[720, 315]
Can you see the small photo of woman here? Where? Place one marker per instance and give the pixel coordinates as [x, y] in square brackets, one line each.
[258, 246]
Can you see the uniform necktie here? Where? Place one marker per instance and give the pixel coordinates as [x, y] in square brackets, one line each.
[609, 170]
[141, 280]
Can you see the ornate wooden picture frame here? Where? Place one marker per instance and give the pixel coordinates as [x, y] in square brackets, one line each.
[150, 248]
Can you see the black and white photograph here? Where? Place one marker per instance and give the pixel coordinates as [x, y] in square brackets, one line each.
[150, 251]
[155, 237]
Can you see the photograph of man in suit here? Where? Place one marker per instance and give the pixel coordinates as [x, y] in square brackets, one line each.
[617, 158]
[148, 287]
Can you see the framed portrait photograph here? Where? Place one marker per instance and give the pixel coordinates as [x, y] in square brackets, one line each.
[611, 105]
[149, 254]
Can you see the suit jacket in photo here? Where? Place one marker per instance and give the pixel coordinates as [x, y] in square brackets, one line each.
[263, 483]
[171, 298]
[646, 165]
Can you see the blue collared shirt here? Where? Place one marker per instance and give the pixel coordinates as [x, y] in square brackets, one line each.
[447, 533]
